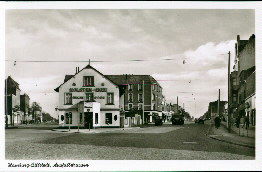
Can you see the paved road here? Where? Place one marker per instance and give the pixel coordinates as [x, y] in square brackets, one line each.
[171, 142]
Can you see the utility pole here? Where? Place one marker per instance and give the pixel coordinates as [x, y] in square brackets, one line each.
[218, 103]
[143, 115]
[177, 104]
[228, 95]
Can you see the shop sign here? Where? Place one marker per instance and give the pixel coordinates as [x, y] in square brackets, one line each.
[95, 97]
[87, 89]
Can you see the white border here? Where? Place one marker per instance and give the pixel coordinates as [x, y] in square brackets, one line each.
[145, 165]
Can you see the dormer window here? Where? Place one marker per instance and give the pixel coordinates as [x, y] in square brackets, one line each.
[88, 81]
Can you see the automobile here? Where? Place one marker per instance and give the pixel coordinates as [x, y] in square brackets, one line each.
[177, 120]
[158, 121]
[199, 121]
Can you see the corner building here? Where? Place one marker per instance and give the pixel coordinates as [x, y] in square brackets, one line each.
[89, 99]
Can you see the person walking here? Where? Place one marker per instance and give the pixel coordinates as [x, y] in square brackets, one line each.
[217, 122]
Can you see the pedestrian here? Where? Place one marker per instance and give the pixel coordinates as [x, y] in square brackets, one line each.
[217, 122]
[237, 122]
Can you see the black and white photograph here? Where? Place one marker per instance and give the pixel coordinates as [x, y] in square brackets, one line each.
[130, 84]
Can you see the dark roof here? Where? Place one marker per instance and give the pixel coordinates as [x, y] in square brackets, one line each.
[11, 81]
[132, 79]
[242, 44]
[68, 77]
[247, 72]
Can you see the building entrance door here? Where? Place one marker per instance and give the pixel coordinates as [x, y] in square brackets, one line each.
[88, 120]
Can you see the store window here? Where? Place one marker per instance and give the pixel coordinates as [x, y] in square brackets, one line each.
[96, 118]
[88, 81]
[89, 97]
[81, 118]
[68, 98]
[68, 118]
[108, 118]
[110, 98]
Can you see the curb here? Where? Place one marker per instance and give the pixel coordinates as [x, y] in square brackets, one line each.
[231, 142]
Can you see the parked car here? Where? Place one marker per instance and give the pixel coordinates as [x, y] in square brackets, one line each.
[158, 121]
[199, 121]
[177, 120]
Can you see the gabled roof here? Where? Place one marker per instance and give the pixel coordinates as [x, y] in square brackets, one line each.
[68, 77]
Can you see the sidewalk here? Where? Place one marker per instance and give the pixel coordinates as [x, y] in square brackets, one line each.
[222, 134]
[97, 130]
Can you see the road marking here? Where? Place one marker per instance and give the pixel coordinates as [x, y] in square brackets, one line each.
[190, 142]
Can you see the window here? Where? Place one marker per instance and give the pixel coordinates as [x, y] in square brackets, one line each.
[130, 97]
[130, 87]
[88, 81]
[234, 81]
[96, 118]
[68, 118]
[154, 107]
[234, 97]
[62, 118]
[80, 118]
[115, 117]
[140, 87]
[110, 98]
[140, 106]
[89, 97]
[108, 118]
[68, 98]
[153, 96]
[140, 97]
[130, 106]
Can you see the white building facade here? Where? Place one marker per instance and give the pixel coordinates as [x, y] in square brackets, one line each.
[89, 99]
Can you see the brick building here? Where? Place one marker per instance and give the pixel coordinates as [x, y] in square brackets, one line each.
[242, 91]
[142, 92]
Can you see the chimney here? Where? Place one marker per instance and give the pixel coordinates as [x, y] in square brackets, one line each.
[238, 39]
[76, 70]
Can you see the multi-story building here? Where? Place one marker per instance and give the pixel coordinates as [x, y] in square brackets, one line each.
[24, 106]
[242, 81]
[143, 95]
[213, 109]
[12, 102]
[90, 98]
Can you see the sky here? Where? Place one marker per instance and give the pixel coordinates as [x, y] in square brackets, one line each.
[164, 39]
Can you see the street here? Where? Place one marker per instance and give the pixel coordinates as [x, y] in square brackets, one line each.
[167, 142]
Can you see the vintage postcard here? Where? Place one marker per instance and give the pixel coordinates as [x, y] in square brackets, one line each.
[124, 83]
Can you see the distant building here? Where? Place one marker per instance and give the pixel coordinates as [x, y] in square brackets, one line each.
[12, 102]
[25, 107]
[213, 109]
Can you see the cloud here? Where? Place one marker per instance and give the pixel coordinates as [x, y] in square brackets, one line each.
[210, 53]
[197, 36]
